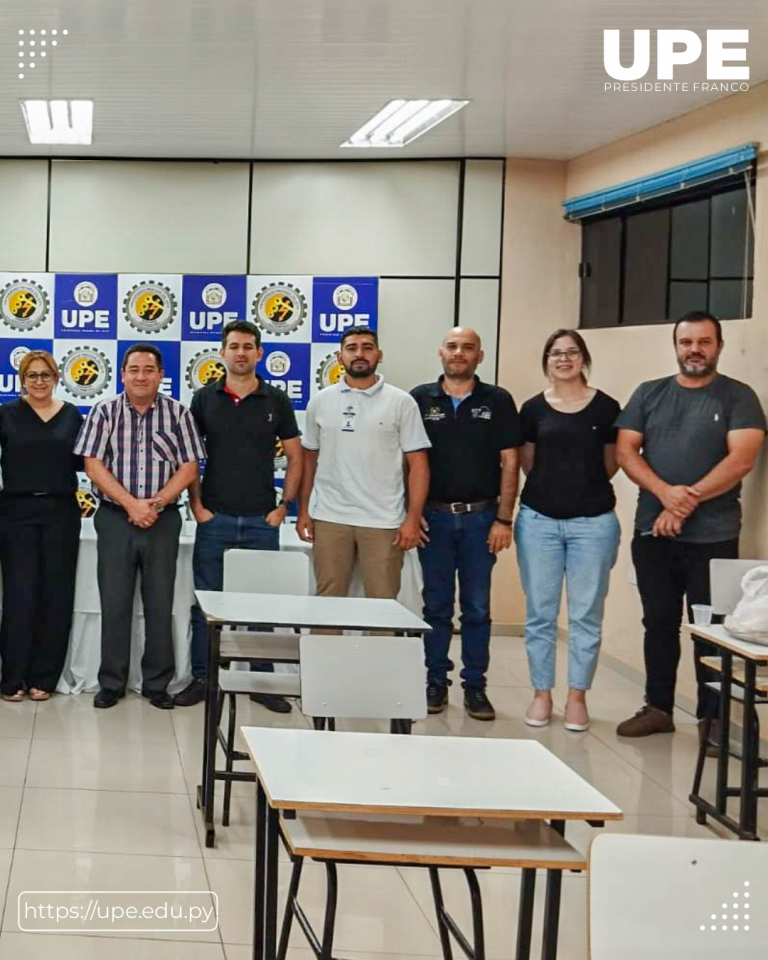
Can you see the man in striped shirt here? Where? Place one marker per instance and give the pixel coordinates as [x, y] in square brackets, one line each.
[141, 451]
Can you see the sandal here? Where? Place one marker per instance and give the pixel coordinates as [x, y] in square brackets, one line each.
[13, 697]
[35, 694]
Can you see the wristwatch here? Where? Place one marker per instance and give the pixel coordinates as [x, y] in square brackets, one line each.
[282, 502]
[158, 506]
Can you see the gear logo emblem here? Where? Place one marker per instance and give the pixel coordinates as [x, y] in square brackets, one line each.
[24, 305]
[204, 368]
[85, 373]
[86, 503]
[279, 308]
[329, 371]
[281, 461]
[150, 307]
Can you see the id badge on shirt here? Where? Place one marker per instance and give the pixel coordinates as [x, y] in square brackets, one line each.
[348, 419]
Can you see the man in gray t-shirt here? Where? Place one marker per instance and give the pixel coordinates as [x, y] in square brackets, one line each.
[687, 441]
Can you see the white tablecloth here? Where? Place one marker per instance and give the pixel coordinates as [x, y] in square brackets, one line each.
[82, 665]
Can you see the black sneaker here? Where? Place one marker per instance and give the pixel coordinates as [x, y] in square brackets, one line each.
[192, 694]
[271, 702]
[437, 697]
[477, 704]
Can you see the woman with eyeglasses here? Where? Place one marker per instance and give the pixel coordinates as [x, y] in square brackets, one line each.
[39, 530]
[566, 528]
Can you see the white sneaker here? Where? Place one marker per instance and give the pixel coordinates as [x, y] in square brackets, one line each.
[539, 713]
[579, 719]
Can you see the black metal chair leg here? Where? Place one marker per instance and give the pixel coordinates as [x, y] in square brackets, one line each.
[442, 928]
[478, 934]
[525, 915]
[293, 892]
[331, 899]
[701, 816]
[229, 758]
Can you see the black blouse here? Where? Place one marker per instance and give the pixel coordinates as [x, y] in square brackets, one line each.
[37, 455]
[569, 478]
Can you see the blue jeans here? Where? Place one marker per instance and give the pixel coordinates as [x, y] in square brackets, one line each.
[583, 551]
[222, 532]
[458, 543]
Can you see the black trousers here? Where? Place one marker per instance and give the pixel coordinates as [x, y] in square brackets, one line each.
[123, 550]
[669, 570]
[39, 541]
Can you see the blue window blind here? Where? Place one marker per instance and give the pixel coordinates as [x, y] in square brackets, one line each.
[715, 167]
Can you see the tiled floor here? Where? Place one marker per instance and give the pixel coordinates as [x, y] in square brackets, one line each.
[104, 800]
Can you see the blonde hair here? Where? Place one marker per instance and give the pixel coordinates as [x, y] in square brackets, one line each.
[30, 358]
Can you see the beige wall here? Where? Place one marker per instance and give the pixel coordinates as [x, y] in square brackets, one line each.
[540, 291]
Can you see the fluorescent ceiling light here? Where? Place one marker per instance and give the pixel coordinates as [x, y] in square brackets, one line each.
[401, 121]
[58, 121]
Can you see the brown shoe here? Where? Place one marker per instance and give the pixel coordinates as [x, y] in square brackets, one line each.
[645, 722]
[715, 736]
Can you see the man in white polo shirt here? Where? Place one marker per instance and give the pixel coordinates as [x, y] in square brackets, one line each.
[362, 438]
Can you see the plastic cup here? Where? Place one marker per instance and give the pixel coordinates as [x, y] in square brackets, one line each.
[702, 613]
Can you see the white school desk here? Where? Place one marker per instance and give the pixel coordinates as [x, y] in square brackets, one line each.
[363, 773]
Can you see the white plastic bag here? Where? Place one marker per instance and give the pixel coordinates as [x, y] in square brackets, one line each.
[749, 621]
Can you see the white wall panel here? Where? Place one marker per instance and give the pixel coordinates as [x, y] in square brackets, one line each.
[414, 316]
[144, 216]
[481, 235]
[379, 218]
[24, 202]
[479, 309]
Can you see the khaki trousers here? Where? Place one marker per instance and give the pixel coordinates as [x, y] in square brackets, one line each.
[338, 545]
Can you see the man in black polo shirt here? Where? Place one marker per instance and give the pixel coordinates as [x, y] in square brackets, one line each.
[475, 431]
[242, 417]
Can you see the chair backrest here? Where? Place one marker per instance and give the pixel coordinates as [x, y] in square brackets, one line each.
[725, 582]
[364, 677]
[674, 897]
[266, 571]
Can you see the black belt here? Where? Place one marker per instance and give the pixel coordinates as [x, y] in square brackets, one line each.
[456, 508]
[111, 505]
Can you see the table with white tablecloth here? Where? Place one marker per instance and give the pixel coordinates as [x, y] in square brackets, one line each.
[82, 665]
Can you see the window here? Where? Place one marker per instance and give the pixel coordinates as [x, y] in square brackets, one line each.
[652, 264]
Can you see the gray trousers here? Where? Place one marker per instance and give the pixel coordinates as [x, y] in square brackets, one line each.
[123, 550]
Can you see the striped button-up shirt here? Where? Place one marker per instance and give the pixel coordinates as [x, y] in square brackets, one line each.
[142, 451]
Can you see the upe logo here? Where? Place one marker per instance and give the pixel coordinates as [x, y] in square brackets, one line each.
[85, 295]
[85, 373]
[345, 297]
[278, 363]
[214, 295]
[150, 307]
[204, 368]
[23, 305]
[676, 48]
[86, 502]
[279, 308]
[17, 355]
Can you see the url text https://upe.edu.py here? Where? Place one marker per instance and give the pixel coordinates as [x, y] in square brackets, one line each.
[118, 911]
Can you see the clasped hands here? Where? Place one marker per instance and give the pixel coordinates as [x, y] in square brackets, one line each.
[679, 502]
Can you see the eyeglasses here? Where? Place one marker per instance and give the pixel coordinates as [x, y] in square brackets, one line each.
[564, 354]
[42, 377]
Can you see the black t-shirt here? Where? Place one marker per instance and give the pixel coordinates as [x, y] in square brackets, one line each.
[241, 440]
[464, 461]
[37, 454]
[568, 478]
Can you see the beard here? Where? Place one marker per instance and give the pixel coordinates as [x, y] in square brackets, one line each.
[697, 372]
[358, 371]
